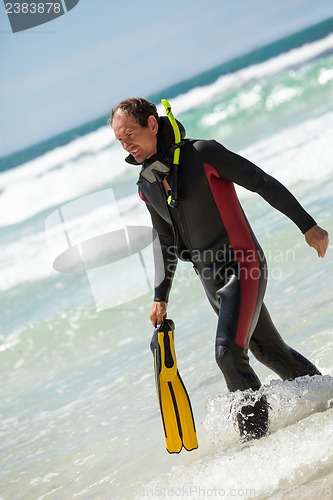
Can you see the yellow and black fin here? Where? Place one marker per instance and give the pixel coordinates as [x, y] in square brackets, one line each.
[175, 405]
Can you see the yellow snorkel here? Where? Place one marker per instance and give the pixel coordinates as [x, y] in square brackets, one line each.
[173, 198]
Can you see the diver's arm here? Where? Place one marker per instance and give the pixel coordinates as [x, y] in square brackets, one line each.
[237, 169]
[165, 258]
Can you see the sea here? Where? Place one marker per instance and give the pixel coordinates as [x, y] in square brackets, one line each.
[79, 412]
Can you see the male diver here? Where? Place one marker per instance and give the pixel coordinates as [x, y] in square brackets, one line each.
[197, 217]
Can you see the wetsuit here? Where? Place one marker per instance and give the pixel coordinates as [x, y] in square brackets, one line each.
[210, 229]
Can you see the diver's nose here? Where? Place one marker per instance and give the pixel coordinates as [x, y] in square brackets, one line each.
[126, 145]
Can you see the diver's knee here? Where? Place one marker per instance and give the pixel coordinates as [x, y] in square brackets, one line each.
[228, 355]
[257, 350]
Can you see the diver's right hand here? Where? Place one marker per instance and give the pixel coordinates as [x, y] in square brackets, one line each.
[158, 313]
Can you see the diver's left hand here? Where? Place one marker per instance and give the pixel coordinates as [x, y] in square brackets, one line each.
[317, 238]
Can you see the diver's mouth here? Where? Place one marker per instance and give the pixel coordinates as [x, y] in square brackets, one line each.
[134, 152]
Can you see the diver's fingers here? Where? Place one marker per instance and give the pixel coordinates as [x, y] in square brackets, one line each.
[317, 238]
[158, 313]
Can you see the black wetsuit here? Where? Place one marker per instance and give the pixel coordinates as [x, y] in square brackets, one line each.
[210, 229]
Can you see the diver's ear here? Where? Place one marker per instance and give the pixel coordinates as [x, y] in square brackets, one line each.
[153, 124]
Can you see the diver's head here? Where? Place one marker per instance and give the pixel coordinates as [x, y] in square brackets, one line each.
[135, 125]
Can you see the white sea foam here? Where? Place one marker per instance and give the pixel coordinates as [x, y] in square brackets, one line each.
[302, 152]
[201, 95]
[102, 138]
[298, 410]
[30, 257]
[87, 145]
[280, 464]
[28, 192]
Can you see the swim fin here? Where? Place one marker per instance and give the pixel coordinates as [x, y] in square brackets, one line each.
[175, 406]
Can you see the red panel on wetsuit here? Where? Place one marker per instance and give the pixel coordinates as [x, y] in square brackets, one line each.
[242, 243]
[143, 198]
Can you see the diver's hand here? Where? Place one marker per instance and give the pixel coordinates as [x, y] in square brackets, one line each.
[317, 238]
[158, 313]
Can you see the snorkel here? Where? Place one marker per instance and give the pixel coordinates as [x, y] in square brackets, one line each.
[173, 198]
[156, 169]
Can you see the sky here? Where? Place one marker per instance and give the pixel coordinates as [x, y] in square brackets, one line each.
[77, 67]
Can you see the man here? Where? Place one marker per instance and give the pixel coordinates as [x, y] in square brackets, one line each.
[206, 225]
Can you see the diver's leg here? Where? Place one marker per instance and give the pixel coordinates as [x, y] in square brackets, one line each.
[268, 347]
[231, 357]
[235, 320]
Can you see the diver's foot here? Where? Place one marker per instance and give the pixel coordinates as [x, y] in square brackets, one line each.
[253, 421]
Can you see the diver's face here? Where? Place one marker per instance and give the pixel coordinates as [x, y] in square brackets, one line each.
[140, 142]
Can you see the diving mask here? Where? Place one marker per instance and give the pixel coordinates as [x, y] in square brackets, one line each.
[154, 170]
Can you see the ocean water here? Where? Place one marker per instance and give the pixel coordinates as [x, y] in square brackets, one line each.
[79, 413]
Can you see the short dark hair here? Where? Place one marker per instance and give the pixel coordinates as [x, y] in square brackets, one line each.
[137, 108]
